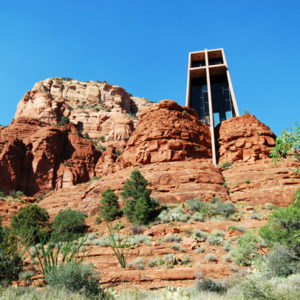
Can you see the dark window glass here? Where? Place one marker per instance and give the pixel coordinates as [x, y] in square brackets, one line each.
[215, 61]
[198, 63]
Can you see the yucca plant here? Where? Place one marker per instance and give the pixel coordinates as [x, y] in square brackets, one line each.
[118, 245]
[51, 255]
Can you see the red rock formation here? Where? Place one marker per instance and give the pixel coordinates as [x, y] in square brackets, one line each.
[45, 158]
[167, 132]
[12, 158]
[244, 138]
[262, 182]
[102, 109]
[171, 182]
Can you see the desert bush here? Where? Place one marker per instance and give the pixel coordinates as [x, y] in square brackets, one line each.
[186, 260]
[156, 262]
[199, 235]
[103, 241]
[109, 209]
[139, 206]
[138, 263]
[211, 257]
[10, 267]
[198, 217]
[26, 275]
[207, 210]
[137, 229]
[169, 238]
[226, 165]
[68, 225]
[281, 262]
[30, 224]
[255, 216]
[208, 284]
[237, 228]
[169, 260]
[199, 250]
[216, 238]
[171, 215]
[195, 204]
[283, 227]
[75, 278]
[177, 247]
[245, 252]
[227, 258]
[63, 121]
[227, 246]
[137, 239]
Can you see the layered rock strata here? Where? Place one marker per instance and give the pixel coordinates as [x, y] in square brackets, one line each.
[171, 182]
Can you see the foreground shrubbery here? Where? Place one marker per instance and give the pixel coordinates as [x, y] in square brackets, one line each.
[30, 224]
[75, 278]
[68, 225]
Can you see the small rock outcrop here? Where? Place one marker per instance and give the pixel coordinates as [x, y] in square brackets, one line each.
[244, 138]
[167, 132]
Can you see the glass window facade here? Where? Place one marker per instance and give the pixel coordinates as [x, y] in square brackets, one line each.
[199, 99]
[220, 95]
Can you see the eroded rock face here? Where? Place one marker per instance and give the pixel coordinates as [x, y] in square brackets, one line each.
[101, 109]
[244, 138]
[45, 158]
[167, 132]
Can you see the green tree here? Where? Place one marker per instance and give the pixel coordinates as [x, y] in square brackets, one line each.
[68, 225]
[30, 223]
[109, 209]
[288, 142]
[139, 206]
[283, 227]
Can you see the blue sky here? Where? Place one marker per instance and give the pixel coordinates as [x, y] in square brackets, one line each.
[143, 46]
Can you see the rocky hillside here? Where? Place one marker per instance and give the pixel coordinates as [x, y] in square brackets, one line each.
[109, 134]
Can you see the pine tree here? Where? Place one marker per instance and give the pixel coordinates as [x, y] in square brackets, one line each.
[109, 209]
[139, 206]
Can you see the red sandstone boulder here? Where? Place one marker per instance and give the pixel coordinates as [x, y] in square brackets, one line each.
[167, 132]
[244, 138]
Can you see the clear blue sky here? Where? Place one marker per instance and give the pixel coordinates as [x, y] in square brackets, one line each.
[143, 46]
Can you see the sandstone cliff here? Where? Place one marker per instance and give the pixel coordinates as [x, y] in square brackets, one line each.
[101, 109]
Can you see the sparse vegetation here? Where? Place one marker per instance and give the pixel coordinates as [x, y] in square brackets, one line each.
[225, 165]
[210, 257]
[63, 121]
